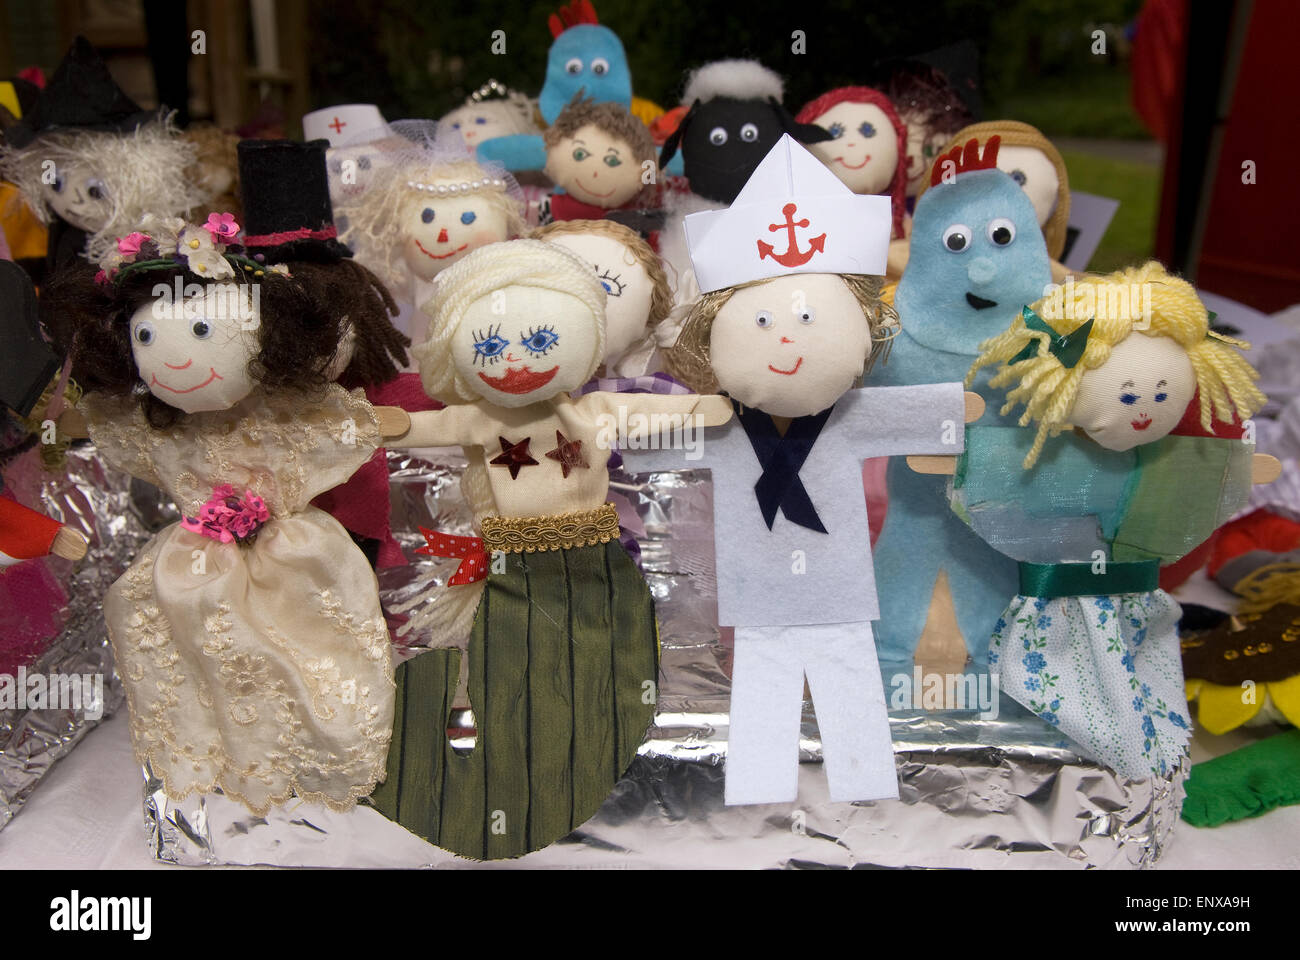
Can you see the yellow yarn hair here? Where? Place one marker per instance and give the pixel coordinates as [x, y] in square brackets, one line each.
[1225, 381]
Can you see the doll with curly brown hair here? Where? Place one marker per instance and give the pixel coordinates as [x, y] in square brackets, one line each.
[249, 634]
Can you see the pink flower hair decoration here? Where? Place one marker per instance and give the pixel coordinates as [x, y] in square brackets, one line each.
[227, 517]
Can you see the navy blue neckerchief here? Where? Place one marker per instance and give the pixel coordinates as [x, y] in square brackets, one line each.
[781, 457]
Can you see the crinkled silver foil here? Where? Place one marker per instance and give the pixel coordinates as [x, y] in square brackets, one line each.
[975, 793]
[118, 516]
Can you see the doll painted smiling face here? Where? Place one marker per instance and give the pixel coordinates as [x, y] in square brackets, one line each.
[595, 152]
[1140, 394]
[194, 355]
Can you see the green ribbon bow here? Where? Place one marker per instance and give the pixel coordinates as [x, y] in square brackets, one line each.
[1067, 347]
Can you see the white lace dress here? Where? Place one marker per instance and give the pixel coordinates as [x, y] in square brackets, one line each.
[263, 668]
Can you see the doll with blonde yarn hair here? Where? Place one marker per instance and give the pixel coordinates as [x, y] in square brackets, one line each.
[1092, 492]
[563, 641]
[426, 209]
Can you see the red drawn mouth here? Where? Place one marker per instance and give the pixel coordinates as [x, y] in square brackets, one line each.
[1142, 424]
[788, 373]
[586, 189]
[851, 166]
[440, 256]
[172, 366]
[215, 376]
[519, 381]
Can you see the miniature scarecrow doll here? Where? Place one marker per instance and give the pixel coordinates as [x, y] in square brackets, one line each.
[562, 656]
[249, 634]
[790, 320]
[90, 162]
[1090, 642]
[598, 155]
[977, 258]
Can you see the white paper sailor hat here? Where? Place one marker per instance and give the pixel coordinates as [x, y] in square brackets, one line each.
[792, 216]
[346, 124]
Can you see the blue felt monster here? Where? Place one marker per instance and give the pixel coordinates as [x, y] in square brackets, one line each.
[585, 57]
[977, 257]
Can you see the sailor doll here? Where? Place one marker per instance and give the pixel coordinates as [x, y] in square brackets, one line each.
[790, 319]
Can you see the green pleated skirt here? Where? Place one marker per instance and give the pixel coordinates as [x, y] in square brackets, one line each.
[563, 677]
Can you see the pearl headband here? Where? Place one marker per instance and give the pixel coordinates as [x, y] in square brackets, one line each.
[458, 189]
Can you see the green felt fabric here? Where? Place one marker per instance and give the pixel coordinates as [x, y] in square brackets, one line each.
[1166, 515]
[1245, 783]
[563, 645]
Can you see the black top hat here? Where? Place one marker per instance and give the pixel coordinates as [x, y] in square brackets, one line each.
[286, 196]
[29, 360]
[81, 95]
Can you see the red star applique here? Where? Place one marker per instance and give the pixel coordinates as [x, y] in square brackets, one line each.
[514, 456]
[568, 453]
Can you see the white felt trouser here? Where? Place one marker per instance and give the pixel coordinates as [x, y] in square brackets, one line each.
[839, 660]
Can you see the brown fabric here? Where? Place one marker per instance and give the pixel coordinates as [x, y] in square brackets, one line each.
[1267, 650]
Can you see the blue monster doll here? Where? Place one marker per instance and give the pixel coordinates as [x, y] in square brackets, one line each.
[977, 257]
[585, 57]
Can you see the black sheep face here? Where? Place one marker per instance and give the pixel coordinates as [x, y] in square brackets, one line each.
[724, 140]
[724, 144]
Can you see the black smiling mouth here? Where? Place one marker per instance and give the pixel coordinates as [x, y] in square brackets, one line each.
[979, 303]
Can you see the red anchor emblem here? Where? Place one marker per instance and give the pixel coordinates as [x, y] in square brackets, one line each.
[793, 256]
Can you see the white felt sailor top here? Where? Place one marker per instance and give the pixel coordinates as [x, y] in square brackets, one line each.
[773, 497]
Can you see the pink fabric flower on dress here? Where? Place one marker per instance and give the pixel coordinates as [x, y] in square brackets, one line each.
[227, 516]
[222, 226]
[129, 245]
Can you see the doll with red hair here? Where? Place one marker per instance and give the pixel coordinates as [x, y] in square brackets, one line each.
[867, 146]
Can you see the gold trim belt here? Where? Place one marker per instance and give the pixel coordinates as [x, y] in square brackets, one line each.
[582, 528]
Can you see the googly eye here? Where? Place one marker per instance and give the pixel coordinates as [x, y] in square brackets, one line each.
[201, 329]
[749, 133]
[573, 67]
[718, 136]
[600, 66]
[427, 215]
[764, 318]
[96, 190]
[468, 217]
[807, 315]
[957, 238]
[144, 333]
[1002, 231]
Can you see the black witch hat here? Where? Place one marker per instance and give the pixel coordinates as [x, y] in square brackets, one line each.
[81, 95]
[286, 195]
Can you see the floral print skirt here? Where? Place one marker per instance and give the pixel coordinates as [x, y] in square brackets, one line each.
[1106, 671]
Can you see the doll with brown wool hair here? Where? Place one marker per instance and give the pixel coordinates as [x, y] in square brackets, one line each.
[222, 397]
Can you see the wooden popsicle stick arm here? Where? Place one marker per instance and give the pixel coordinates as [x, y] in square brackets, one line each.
[394, 422]
[69, 544]
[943, 466]
[974, 407]
[1265, 468]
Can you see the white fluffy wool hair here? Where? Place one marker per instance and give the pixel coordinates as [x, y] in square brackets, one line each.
[144, 172]
[423, 155]
[525, 262]
[735, 79]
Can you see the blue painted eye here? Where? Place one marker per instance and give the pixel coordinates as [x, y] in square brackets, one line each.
[491, 346]
[1129, 398]
[480, 120]
[1161, 397]
[605, 284]
[468, 217]
[427, 215]
[1018, 176]
[867, 130]
[456, 125]
[539, 341]
[836, 130]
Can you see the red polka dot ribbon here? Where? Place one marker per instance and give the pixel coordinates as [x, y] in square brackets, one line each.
[469, 550]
